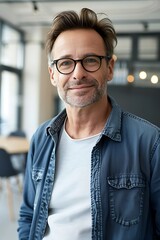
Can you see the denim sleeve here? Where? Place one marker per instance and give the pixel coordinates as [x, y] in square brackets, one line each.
[26, 210]
[155, 186]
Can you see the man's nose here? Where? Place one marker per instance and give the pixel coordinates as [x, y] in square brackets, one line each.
[79, 72]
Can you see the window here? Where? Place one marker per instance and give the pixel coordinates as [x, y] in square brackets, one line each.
[124, 47]
[148, 48]
[11, 65]
[9, 101]
[138, 59]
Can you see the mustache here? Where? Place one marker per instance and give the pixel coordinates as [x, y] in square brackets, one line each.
[84, 81]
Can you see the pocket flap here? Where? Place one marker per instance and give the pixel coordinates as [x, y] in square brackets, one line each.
[127, 181]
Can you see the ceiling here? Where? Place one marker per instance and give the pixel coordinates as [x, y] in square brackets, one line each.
[131, 15]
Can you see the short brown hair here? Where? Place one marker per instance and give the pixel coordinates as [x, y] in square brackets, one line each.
[87, 19]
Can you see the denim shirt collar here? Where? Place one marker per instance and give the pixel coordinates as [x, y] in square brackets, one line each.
[112, 127]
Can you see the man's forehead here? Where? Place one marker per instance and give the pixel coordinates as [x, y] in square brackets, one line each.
[78, 40]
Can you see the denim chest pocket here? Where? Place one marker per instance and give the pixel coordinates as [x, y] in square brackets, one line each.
[126, 196]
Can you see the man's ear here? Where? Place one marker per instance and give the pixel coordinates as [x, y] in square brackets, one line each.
[51, 73]
[110, 69]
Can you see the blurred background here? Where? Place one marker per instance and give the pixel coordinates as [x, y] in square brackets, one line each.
[26, 96]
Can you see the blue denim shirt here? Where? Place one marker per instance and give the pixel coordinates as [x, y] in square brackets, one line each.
[125, 179]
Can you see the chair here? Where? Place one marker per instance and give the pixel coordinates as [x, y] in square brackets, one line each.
[17, 133]
[6, 172]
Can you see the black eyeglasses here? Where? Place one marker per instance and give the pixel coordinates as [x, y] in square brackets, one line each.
[90, 63]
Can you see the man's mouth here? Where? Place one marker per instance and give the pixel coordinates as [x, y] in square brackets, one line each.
[79, 87]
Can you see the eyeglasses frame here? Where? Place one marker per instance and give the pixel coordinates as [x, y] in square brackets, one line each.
[81, 61]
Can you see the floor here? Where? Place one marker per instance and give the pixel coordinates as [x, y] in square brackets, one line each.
[8, 227]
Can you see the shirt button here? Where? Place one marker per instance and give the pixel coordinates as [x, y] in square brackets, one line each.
[128, 183]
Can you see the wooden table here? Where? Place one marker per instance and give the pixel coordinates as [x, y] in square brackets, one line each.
[14, 145]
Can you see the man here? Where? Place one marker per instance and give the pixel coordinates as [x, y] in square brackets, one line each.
[93, 172]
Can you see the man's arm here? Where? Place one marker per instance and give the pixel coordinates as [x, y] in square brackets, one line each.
[155, 188]
[27, 207]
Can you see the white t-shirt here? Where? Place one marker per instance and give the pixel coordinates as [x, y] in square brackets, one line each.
[70, 206]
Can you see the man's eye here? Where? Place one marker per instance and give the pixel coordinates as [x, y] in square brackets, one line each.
[91, 60]
[65, 63]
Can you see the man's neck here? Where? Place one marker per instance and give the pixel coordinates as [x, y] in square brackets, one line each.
[87, 121]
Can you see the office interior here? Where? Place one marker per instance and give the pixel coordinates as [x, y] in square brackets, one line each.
[27, 97]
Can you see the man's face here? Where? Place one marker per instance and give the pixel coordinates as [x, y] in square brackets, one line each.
[81, 88]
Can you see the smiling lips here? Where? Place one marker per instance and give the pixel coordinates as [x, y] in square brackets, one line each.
[81, 84]
[79, 87]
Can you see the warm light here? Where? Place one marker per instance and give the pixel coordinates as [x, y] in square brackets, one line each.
[130, 78]
[142, 75]
[154, 79]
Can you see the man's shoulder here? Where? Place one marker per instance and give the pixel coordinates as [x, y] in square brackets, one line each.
[42, 129]
[136, 123]
[131, 120]
[50, 126]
